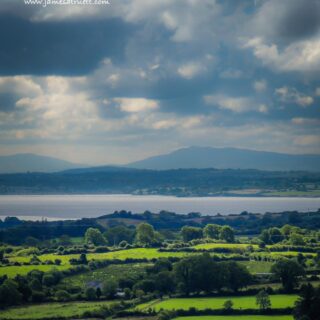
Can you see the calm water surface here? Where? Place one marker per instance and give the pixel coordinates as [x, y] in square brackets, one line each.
[79, 206]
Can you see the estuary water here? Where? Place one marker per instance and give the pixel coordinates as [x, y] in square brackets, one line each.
[59, 207]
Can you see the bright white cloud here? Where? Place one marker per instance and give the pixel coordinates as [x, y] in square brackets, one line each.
[133, 105]
[301, 56]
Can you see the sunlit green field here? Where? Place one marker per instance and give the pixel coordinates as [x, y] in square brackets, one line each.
[236, 318]
[12, 271]
[249, 302]
[52, 310]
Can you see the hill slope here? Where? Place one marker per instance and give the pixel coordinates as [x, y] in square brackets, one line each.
[229, 158]
[33, 163]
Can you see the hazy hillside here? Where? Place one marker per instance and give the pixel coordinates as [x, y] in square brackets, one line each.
[33, 163]
[225, 158]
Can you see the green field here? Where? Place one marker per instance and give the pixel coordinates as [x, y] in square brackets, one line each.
[115, 272]
[257, 266]
[12, 271]
[230, 246]
[246, 302]
[52, 310]
[236, 318]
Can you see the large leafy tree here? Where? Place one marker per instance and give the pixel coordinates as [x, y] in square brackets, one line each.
[95, 237]
[145, 235]
[307, 306]
[191, 233]
[227, 234]
[212, 231]
[288, 271]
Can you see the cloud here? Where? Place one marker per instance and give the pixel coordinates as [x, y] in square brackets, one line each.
[260, 85]
[59, 48]
[307, 140]
[286, 20]
[292, 95]
[306, 121]
[235, 104]
[231, 74]
[133, 105]
[302, 56]
[190, 70]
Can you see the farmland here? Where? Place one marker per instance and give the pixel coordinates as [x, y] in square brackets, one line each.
[241, 302]
[52, 310]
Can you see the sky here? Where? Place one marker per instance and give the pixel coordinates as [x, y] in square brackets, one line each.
[118, 82]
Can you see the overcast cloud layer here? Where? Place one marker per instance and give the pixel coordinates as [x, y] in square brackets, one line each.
[117, 83]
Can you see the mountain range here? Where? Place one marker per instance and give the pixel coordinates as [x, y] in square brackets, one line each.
[28, 162]
[229, 158]
[191, 157]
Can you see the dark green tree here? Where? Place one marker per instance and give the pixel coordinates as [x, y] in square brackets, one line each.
[227, 234]
[191, 233]
[288, 271]
[212, 231]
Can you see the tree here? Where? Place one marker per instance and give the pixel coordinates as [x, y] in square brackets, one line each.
[83, 258]
[227, 234]
[212, 231]
[62, 295]
[196, 274]
[263, 300]
[297, 239]
[91, 294]
[191, 233]
[118, 234]
[288, 271]
[164, 282]
[109, 288]
[307, 306]
[145, 234]
[228, 305]
[95, 237]
[237, 276]
[9, 294]
[275, 235]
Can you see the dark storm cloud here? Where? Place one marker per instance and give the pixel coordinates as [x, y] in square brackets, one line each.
[301, 19]
[59, 48]
[286, 21]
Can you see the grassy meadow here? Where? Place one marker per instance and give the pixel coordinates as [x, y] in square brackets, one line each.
[52, 310]
[239, 302]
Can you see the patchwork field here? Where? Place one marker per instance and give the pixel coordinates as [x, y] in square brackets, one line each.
[115, 272]
[12, 271]
[246, 302]
[52, 310]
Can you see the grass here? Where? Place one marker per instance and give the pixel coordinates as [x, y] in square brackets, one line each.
[236, 318]
[115, 272]
[239, 302]
[257, 266]
[230, 246]
[12, 271]
[52, 310]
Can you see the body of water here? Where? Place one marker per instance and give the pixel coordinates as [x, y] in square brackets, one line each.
[79, 206]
